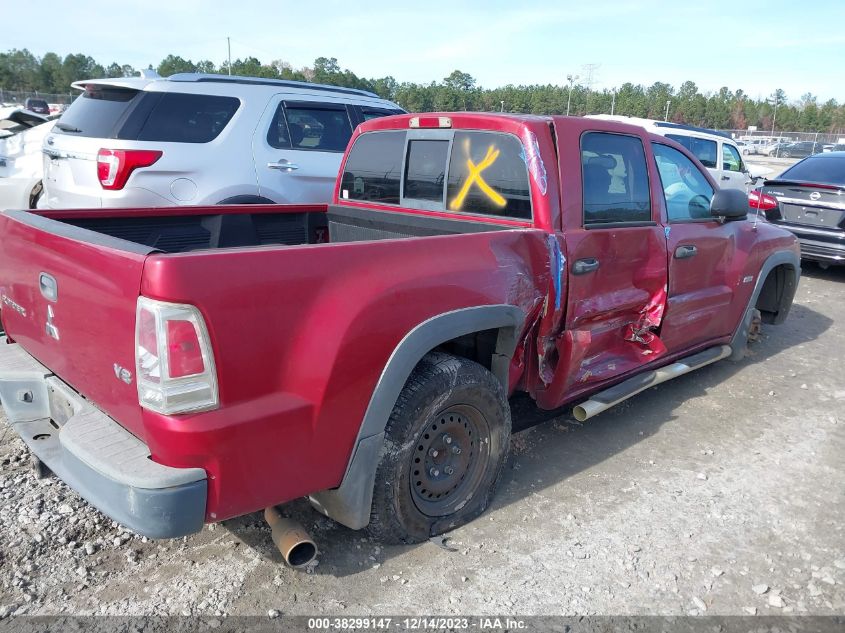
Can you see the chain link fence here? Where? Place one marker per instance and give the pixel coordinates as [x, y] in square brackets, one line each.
[785, 144]
[18, 97]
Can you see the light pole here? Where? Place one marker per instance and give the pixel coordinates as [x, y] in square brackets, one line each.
[775, 101]
[503, 106]
[229, 47]
[613, 102]
[571, 79]
[666, 114]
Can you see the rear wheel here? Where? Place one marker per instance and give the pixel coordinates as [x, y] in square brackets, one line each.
[445, 445]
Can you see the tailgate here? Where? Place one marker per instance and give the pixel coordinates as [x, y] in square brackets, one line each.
[70, 172]
[68, 297]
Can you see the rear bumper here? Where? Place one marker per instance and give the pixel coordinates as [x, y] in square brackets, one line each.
[818, 244]
[94, 455]
[822, 252]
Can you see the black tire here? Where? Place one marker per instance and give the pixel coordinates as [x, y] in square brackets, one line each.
[470, 407]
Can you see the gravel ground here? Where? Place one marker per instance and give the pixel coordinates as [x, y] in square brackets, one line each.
[720, 492]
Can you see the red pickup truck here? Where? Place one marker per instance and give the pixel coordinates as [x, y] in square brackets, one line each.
[186, 365]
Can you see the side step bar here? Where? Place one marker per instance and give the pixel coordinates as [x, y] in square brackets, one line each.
[603, 400]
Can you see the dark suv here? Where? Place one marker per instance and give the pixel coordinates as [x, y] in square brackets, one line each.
[39, 106]
[802, 149]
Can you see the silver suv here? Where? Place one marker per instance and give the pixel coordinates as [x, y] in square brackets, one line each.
[201, 139]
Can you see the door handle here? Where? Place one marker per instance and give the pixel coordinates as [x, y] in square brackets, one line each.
[283, 165]
[726, 177]
[684, 251]
[583, 266]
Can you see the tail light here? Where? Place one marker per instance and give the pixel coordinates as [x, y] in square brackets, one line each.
[759, 200]
[114, 166]
[174, 365]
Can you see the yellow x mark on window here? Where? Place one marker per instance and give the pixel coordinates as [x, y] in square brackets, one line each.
[475, 178]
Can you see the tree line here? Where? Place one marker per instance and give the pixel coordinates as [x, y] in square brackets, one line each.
[722, 109]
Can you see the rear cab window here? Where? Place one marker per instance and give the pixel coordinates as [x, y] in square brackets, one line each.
[373, 170]
[462, 172]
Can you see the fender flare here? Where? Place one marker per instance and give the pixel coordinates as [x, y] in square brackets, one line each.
[740, 337]
[350, 503]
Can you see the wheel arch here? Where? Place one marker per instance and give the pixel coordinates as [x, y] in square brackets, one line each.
[246, 199]
[773, 293]
[350, 503]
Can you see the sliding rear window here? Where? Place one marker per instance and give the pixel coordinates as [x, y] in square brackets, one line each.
[488, 176]
[373, 169]
[482, 173]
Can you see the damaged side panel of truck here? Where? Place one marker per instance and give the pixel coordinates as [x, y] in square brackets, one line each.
[327, 309]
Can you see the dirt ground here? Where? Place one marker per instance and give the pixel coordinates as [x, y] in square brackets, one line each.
[721, 492]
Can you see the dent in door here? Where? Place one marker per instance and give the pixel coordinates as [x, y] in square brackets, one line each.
[614, 317]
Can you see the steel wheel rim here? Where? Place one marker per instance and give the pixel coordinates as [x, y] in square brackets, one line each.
[449, 460]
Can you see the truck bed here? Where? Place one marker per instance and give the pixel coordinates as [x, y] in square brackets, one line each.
[284, 316]
[180, 230]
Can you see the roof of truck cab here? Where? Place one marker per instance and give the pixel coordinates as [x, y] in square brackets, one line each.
[494, 121]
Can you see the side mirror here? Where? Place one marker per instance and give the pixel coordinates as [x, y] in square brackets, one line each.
[730, 204]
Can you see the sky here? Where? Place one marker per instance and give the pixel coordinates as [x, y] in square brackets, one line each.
[755, 45]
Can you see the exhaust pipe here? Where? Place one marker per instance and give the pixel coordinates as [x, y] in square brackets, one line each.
[290, 537]
[603, 400]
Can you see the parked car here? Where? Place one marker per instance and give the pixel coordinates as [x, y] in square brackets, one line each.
[808, 199]
[14, 119]
[717, 152]
[800, 149]
[21, 168]
[201, 139]
[39, 106]
[749, 146]
[776, 149]
[834, 147]
[21, 136]
[229, 361]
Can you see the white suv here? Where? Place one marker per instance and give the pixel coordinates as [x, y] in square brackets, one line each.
[717, 152]
[200, 140]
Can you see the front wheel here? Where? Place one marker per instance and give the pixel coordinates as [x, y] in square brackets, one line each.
[445, 445]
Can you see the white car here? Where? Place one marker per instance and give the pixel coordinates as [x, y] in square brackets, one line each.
[752, 145]
[197, 139]
[717, 152]
[22, 134]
